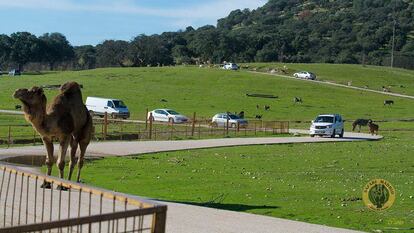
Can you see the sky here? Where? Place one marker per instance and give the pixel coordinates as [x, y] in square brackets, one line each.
[93, 21]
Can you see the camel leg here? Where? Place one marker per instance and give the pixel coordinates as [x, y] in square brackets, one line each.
[63, 147]
[83, 146]
[73, 148]
[49, 159]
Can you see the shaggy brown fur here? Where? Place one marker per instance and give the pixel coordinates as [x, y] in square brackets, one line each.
[373, 128]
[65, 119]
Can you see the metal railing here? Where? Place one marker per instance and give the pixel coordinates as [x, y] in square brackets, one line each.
[71, 207]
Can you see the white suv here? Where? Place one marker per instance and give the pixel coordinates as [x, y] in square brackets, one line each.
[327, 125]
[305, 75]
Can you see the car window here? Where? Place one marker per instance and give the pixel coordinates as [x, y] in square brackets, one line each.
[172, 112]
[324, 119]
[109, 104]
[159, 111]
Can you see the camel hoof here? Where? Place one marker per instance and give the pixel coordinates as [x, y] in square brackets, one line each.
[63, 188]
[46, 185]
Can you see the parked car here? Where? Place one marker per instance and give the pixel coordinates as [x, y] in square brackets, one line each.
[167, 115]
[305, 75]
[220, 119]
[114, 107]
[230, 66]
[327, 125]
[14, 72]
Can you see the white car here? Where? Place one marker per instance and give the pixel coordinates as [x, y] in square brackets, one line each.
[220, 119]
[327, 125]
[230, 66]
[167, 115]
[113, 107]
[305, 75]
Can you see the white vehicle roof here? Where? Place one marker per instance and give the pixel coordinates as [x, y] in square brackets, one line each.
[100, 98]
[331, 115]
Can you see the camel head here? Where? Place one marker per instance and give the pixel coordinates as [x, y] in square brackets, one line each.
[32, 99]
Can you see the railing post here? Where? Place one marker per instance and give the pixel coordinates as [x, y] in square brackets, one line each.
[150, 126]
[105, 126]
[159, 222]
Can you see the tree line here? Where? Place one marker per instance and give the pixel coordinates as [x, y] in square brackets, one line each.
[341, 31]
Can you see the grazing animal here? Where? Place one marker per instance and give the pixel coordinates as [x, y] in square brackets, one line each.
[257, 106]
[388, 102]
[297, 100]
[241, 114]
[164, 100]
[267, 107]
[385, 89]
[373, 128]
[259, 117]
[17, 107]
[359, 122]
[66, 119]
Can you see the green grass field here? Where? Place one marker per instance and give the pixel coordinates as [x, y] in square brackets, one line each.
[208, 91]
[374, 77]
[318, 183]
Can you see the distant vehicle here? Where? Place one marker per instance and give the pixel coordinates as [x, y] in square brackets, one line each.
[114, 107]
[220, 119]
[167, 115]
[14, 72]
[230, 66]
[327, 125]
[305, 75]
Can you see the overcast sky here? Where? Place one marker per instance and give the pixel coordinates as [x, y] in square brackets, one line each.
[92, 21]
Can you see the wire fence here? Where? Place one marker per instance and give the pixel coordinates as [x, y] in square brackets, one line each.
[71, 207]
[116, 129]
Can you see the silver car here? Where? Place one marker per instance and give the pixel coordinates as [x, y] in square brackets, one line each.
[220, 119]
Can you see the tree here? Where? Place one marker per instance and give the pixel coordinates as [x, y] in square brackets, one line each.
[85, 57]
[5, 49]
[25, 48]
[149, 50]
[112, 53]
[56, 48]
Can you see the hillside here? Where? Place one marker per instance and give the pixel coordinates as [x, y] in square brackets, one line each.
[208, 91]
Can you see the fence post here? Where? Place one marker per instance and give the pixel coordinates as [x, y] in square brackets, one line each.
[9, 136]
[255, 132]
[34, 137]
[122, 130]
[171, 130]
[227, 123]
[146, 119]
[193, 126]
[105, 125]
[199, 130]
[150, 126]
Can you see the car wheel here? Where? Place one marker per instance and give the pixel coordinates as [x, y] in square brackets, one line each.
[342, 134]
[233, 125]
[333, 134]
[296, 76]
[312, 135]
[91, 113]
[113, 116]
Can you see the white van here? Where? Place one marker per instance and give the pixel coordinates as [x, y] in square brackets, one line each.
[114, 107]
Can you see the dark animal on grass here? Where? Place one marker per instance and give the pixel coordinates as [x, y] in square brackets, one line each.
[297, 100]
[388, 102]
[241, 114]
[359, 122]
[164, 100]
[373, 128]
[259, 117]
[385, 89]
[257, 106]
[267, 107]
[17, 107]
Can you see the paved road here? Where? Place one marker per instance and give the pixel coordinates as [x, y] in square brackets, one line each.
[188, 218]
[124, 148]
[339, 85]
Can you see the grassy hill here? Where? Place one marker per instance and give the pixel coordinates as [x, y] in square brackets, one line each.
[208, 91]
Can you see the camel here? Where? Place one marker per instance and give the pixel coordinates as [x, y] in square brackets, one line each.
[65, 119]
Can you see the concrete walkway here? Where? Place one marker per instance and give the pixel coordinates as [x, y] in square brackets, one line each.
[338, 85]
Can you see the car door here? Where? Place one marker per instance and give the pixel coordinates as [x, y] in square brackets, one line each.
[157, 114]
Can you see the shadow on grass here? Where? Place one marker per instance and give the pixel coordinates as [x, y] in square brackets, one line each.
[232, 207]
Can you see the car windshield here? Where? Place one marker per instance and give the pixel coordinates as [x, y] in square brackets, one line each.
[119, 104]
[172, 112]
[233, 117]
[324, 119]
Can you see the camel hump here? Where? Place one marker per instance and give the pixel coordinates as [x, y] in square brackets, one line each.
[70, 88]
